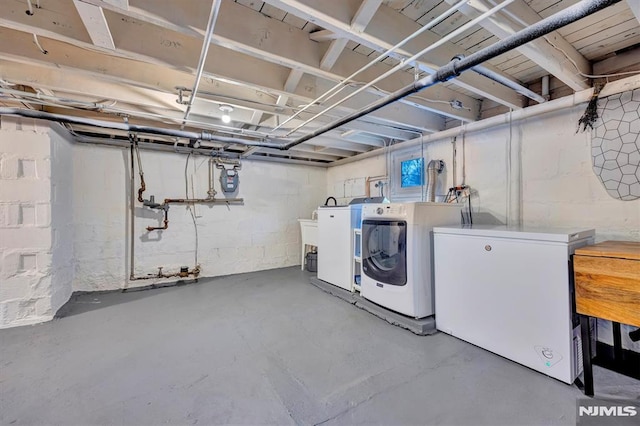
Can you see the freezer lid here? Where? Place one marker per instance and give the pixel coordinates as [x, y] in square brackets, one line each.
[565, 235]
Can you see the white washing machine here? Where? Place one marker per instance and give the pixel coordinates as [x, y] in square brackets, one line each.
[397, 255]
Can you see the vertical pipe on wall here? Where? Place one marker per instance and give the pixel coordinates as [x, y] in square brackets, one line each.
[545, 87]
[133, 216]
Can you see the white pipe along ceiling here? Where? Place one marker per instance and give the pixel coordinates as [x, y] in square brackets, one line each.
[396, 75]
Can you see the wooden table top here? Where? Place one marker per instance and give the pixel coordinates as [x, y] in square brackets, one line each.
[619, 249]
[607, 281]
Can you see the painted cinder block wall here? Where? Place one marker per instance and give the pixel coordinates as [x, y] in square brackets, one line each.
[552, 180]
[35, 217]
[62, 199]
[64, 218]
[261, 234]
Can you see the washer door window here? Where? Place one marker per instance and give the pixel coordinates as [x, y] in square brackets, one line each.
[384, 256]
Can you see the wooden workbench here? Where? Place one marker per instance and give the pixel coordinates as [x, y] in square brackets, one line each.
[607, 284]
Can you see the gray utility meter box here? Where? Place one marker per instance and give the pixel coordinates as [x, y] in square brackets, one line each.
[229, 179]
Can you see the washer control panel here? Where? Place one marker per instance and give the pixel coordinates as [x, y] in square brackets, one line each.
[382, 210]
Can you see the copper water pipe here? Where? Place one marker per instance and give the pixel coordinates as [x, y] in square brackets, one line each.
[167, 201]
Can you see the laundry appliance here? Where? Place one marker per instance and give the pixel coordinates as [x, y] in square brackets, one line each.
[397, 255]
[509, 289]
[335, 244]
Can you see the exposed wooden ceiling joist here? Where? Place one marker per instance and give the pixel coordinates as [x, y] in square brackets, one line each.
[270, 59]
[388, 27]
[95, 23]
[254, 34]
[237, 69]
[560, 61]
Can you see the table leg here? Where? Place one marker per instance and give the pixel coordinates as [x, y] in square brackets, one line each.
[617, 342]
[304, 248]
[585, 331]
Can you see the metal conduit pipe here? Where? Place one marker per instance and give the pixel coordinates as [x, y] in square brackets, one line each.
[213, 16]
[447, 72]
[57, 101]
[457, 66]
[433, 46]
[545, 87]
[127, 127]
[341, 85]
[578, 98]
[499, 78]
[132, 216]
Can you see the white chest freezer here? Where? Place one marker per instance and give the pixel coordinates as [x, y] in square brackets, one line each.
[509, 290]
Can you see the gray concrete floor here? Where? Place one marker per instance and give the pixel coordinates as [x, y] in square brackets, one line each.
[262, 348]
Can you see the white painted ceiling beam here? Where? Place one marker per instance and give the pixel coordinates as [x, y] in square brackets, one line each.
[154, 47]
[290, 85]
[333, 52]
[95, 24]
[325, 150]
[71, 84]
[121, 4]
[364, 14]
[358, 23]
[79, 87]
[323, 35]
[291, 47]
[539, 51]
[387, 27]
[338, 143]
[300, 154]
[252, 33]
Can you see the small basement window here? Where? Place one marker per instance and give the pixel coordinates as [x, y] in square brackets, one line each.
[407, 175]
[411, 172]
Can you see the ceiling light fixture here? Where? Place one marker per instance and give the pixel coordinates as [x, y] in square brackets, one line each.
[226, 113]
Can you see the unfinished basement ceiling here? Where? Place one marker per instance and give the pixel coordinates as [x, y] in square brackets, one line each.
[138, 59]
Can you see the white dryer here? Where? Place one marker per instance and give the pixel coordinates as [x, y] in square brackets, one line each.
[397, 254]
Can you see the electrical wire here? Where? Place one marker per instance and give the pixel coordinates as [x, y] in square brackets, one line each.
[578, 68]
[464, 153]
[35, 40]
[470, 213]
[547, 38]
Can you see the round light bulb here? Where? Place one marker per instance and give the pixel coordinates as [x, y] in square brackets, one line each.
[226, 118]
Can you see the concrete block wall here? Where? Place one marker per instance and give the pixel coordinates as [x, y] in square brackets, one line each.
[61, 216]
[552, 183]
[348, 182]
[26, 255]
[261, 234]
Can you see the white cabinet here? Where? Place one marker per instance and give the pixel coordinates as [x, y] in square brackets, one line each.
[335, 244]
[508, 291]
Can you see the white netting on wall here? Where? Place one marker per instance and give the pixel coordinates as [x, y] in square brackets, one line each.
[615, 145]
